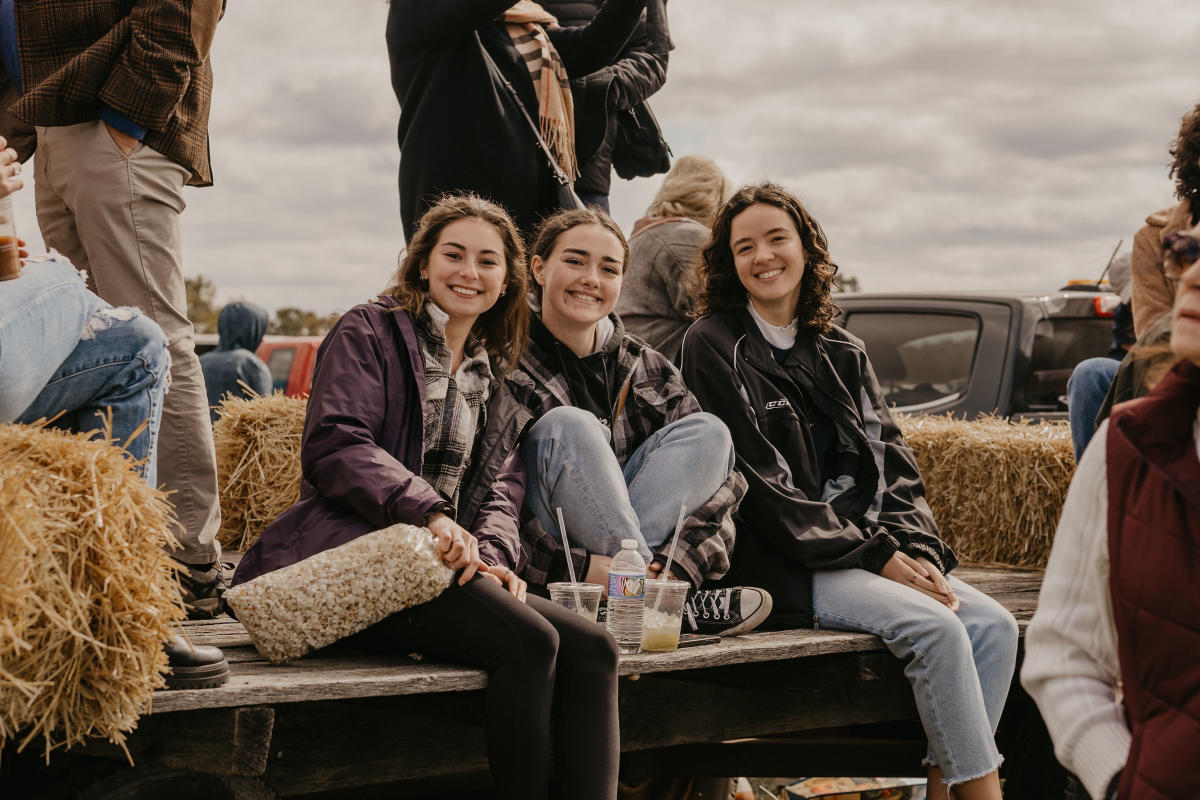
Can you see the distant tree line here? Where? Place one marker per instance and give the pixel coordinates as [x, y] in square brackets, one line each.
[287, 321]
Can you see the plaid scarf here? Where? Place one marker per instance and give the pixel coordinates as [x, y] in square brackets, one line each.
[556, 111]
[455, 404]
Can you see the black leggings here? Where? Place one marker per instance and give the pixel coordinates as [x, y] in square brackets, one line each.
[550, 673]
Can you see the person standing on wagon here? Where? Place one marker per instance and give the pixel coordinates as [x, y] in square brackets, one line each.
[408, 423]
[461, 128]
[114, 96]
[835, 523]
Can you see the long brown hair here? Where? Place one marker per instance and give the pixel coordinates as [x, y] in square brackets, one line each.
[556, 225]
[714, 284]
[503, 328]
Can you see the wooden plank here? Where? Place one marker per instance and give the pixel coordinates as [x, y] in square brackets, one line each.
[341, 673]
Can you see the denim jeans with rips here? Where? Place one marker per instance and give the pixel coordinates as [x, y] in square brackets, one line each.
[68, 356]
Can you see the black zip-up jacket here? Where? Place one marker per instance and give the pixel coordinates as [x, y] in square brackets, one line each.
[459, 126]
[869, 503]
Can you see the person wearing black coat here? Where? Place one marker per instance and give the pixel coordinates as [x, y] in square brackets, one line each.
[460, 128]
[613, 122]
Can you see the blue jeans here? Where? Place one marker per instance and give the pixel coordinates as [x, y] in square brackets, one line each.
[960, 665]
[66, 353]
[571, 465]
[1086, 389]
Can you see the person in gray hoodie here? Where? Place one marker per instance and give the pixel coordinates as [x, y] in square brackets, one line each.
[233, 369]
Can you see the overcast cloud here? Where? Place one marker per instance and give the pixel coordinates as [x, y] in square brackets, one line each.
[942, 144]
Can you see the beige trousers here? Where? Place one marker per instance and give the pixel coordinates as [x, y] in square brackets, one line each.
[117, 216]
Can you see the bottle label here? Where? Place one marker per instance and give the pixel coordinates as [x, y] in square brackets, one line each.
[632, 587]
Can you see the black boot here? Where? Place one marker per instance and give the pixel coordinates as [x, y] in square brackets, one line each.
[194, 666]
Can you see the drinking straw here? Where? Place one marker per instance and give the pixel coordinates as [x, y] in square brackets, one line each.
[662, 576]
[562, 529]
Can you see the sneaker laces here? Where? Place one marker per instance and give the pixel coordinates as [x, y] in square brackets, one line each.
[719, 601]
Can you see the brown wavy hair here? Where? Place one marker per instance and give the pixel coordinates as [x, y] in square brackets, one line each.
[556, 225]
[504, 328]
[714, 284]
[1185, 168]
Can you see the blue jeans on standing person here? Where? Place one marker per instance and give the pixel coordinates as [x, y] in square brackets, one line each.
[1086, 389]
[572, 466]
[960, 664]
[66, 353]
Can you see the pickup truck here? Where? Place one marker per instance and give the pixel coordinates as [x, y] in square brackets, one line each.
[291, 360]
[979, 353]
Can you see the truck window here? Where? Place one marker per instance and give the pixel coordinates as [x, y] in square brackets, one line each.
[280, 364]
[918, 358]
[1058, 345]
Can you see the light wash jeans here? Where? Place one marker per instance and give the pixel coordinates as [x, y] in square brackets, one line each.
[1086, 390]
[65, 351]
[572, 465]
[960, 665]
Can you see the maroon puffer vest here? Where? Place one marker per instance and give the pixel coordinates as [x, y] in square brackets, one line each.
[1154, 552]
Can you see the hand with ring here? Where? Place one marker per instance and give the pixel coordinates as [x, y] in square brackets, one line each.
[506, 578]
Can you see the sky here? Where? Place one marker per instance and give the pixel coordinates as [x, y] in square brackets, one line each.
[942, 144]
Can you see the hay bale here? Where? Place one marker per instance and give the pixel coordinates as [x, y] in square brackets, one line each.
[996, 487]
[341, 591]
[87, 593]
[258, 463]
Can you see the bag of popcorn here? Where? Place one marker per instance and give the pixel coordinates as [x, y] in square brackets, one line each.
[339, 592]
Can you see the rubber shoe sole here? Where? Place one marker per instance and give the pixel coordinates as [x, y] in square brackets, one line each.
[208, 676]
[754, 620]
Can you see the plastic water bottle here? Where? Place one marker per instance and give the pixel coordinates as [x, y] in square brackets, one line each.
[627, 597]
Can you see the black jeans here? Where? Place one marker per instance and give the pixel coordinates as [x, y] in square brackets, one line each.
[552, 676]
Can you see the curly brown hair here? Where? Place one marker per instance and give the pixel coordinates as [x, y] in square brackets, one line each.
[556, 225]
[714, 284]
[504, 328]
[1185, 168]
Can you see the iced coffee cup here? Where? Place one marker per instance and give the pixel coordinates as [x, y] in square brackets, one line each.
[10, 251]
[664, 615]
[582, 598]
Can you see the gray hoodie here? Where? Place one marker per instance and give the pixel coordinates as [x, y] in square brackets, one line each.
[241, 327]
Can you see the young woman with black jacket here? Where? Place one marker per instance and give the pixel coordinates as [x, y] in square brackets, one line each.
[835, 523]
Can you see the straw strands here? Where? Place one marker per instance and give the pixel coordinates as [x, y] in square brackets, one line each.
[996, 487]
[258, 463]
[87, 593]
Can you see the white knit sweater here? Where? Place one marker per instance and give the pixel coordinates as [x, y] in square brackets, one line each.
[1071, 667]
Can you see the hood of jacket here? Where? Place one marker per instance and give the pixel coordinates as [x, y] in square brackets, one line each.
[242, 325]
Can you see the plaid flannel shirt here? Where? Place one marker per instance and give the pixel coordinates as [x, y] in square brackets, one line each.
[145, 59]
[657, 397]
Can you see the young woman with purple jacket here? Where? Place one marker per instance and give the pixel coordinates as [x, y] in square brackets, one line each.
[409, 423]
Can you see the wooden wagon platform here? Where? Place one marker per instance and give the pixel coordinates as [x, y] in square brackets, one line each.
[340, 723]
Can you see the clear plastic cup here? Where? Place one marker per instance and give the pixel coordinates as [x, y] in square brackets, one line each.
[664, 615]
[582, 598]
[10, 259]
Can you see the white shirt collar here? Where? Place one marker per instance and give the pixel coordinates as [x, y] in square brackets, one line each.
[780, 336]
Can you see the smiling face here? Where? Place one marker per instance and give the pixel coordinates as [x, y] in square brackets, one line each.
[1185, 317]
[466, 269]
[580, 280]
[769, 260]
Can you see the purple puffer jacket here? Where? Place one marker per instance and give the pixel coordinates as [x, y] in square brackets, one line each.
[362, 451]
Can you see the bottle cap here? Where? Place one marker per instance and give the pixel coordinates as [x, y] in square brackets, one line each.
[629, 544]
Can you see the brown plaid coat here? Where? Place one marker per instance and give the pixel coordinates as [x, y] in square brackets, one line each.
[657, 397]
[146, 59]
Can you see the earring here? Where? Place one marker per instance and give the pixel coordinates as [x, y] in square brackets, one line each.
[504, 291]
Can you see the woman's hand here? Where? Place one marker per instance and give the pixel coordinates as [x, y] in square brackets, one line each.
[506, 578]
[654, 571]
[460, 550]
[939, 581]
[10, 169]
[920, 576]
